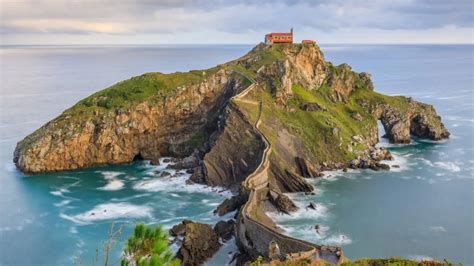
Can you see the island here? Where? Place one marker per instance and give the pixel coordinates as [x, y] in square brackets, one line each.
[259, 126]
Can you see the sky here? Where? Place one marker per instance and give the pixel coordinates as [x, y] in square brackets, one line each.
[234, 22]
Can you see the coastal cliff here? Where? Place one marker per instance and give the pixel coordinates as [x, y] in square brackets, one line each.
[324, 114]
[279, 114]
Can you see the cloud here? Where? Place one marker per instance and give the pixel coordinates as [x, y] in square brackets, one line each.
[224, 17]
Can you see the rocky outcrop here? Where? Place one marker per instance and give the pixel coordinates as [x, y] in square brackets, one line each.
[231, 204]
[303, 65]
[288, 181]
[312, 107]
[281, 202]
[306, 168]
[343, 81]
[199, 244]
[234, 153]
[316, 117]
[416, 119]
[225, 229]
[146, 130]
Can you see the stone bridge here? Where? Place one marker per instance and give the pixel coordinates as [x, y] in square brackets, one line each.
[255, 230]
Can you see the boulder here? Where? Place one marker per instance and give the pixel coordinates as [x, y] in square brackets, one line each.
[312, 206]
[229, 205]
[197, 176]
[306, 168]
[179, 229]
[282, 202]
[312, 107]
[225, 229]
[357, 117]
[200, 243]
[164, 174]
[186, 163]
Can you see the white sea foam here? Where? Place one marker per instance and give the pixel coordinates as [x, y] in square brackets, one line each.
[400, 160]
[73, 230]
[450, 166]
[438, 229]
[110, 175]
[177, 183]
[62, 203]
[337, 240]
[302, 213]
[60, 192]
[225, 254]
[113, 183]
[108, 211]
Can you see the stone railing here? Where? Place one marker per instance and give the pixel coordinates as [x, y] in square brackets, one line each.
[253, 235]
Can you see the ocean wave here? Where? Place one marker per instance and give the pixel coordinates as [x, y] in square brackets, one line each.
[302, 213]
[59, 192]
[110, 175]
[110, 211]
[438, 229]
[177, 182]
[337, 240]
[400, 160]
[62, 203]
[113, 183]
[450, 166]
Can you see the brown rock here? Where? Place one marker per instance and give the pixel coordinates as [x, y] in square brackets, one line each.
[232, 204]
[164, 174]
[306, 168]
[312, 107]
[282, 202]
[200, 243]
[225, 229]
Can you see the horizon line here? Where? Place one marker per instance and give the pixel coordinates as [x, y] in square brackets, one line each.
[151, 44]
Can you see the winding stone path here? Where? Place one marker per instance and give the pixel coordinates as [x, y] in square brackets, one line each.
[255, 230]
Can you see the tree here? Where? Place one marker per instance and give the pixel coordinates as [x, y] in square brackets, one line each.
[148, 246]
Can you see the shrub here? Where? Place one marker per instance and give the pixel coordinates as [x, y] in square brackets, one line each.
[148, 246]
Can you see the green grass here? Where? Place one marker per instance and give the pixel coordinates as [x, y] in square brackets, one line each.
[152, 87]
[315, 129]
[394, 261]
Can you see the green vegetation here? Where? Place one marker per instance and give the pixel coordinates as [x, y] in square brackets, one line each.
[301, 262]
[394, 261]
[261, 55]
[151, 87]
[315, 128]
[196, 140]
[148, 247]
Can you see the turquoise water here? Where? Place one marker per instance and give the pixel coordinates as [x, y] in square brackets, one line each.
[422, 209]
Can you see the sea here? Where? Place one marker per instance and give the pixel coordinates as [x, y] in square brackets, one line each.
[421, 210]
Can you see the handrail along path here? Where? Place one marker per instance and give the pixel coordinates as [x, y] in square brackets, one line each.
[254, 235]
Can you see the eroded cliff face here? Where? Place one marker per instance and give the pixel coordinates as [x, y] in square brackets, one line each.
[173, 126]
[235, 153]
[317, 116]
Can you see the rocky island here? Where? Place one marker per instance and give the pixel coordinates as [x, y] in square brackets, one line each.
[258, 125]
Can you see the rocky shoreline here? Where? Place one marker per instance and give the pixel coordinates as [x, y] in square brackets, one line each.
[316, 117]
